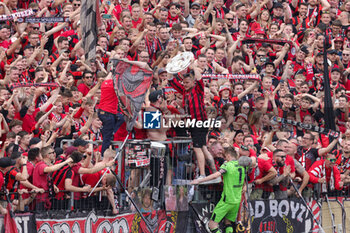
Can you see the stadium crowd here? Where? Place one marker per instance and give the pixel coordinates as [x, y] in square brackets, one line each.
[147, 33]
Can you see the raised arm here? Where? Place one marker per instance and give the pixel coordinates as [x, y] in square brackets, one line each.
[248, 90]
[58, 28]
[56, 167]
[323, 151]
[51, 100]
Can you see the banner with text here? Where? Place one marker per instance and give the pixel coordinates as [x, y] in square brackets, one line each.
[25, 223]
[280, 216]
[160, 221]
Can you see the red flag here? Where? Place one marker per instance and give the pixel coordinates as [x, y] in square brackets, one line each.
[130, 84]
[9, 221]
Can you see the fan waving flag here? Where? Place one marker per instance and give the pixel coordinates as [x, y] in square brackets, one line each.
[90, 20]
[130, 84]
[9, 221]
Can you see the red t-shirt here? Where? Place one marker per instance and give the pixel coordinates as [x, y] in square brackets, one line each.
[40, 179]
[75, 179]
[136, 23]
[5, 44]
[109, 100]
[83, 89]
[28, 120]
[118, 10]
[91, 179]
[264, 166]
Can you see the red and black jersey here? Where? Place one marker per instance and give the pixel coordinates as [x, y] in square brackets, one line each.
[193, 99]
[11, 183]
[59, 177]
[54, 56]
[152, 46]
[340, 116]
[303, 113]
[316, 12]
[219, 103]
[305, 23]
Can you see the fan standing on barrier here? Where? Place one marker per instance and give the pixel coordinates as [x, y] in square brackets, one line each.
[158, 104]
[228, 206]
[111, 118]
[192, 91]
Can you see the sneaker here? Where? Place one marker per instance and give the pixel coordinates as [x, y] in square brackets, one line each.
[214, 181]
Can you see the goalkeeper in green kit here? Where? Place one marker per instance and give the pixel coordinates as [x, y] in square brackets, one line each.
[234, 174]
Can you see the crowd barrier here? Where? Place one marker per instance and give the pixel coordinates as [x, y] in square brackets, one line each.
[290, 215]
[140, 168]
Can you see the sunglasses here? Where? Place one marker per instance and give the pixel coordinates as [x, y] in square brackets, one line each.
[88, 77]
[36, 28]
[331, 160]
[282, 157]
[230, 19]
[260, 55]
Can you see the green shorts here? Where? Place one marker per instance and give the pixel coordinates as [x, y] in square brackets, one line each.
[225, 210]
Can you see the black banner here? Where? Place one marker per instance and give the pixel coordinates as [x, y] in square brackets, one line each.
[201, 213]
[272, 216]
[280, 216]
[25, 223]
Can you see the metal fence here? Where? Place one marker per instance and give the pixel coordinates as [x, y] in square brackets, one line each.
[157, 171]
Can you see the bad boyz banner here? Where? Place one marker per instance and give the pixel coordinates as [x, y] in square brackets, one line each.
[269, 216]
[280, 216]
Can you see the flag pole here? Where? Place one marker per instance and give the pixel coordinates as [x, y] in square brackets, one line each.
[133, 202]
[108, 169]
[329, 116]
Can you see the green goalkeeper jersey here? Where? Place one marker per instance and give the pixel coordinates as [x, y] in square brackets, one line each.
[234, 176]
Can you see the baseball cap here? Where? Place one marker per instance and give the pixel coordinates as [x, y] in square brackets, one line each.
[80, 142]
[259, 31]
[332, 51]
[6, 162]
[195, 4]
[225, 87]
[155, 95]
[339, 38]
[304, 49]
[161, 70]
[243, 116]
[335, 69]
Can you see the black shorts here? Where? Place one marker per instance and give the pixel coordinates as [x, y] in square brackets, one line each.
[199, 137]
